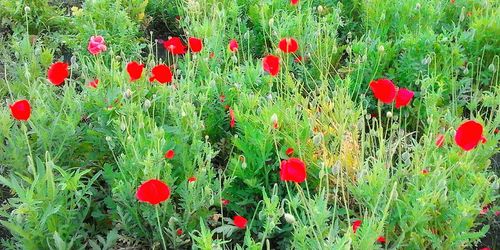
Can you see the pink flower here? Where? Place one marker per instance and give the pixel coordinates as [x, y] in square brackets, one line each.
[96, 45]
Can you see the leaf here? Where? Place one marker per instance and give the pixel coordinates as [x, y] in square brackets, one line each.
[60, 244]
[226, 230]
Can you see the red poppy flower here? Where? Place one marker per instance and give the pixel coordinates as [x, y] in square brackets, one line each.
[224, 202]
[211, 55]
[384, 90]
[440, 140]
[57, 73]
[355, 225]
[496, 131]
[403, 97]
[468, 135]
[161, 73]
[94, 83]
[21, 110]
[240, 221]
[294, 2]
[175, 46]
[153, 192]
[134, 70]
[232, 118]
[179, 232]
[381, 239]
[192, 179]
[485, 248]
[195, 44]
[289, 151]
[452, 1]
[169, 154]
[233, 45]
[293, 170]
[497, 213]
[288, 45]
[222, 98]
[425, 171]
[298, 59]
[271, 64]
[96, 45]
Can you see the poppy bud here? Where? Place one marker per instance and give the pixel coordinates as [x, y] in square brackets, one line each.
[417, 6]
[317, 139]
[381, 49]
[108, 138]
[27, 9]
[389, 114]
[127, 94]
[492, 68]
[123, 126]
[147, 104]
[320, 9]
[73, 60]
[289, 218]
[336, 168]
[271, 22]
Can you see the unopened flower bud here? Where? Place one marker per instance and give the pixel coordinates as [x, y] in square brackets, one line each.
[492, 68]
[127, 94]
[147, 104]
[381, 49]
[289, 218]
[317, 139]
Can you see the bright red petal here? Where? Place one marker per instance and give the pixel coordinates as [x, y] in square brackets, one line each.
[57, 73]
[293, 170]
[170, 154]
[175, 46]
[21, 110]
[161, 73]
[288, 45]
[134, 70]
[468, 135]
[195, 44]
[271, 64]
[384, 90]
[355, 225]
[153, 192]
[233, 45]
[381, 239]
[240, 221]
[403, 97]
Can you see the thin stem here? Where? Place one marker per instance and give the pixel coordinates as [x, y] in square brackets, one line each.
[159, 227]
[31, 162]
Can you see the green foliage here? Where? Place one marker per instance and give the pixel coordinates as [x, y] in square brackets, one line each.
[71, 172]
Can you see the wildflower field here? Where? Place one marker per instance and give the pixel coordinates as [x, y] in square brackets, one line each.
[249, 124]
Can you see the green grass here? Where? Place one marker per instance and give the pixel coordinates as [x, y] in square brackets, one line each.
[74, 167]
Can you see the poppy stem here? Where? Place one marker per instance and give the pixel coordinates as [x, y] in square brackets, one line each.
[31, 162]
[159, 227]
